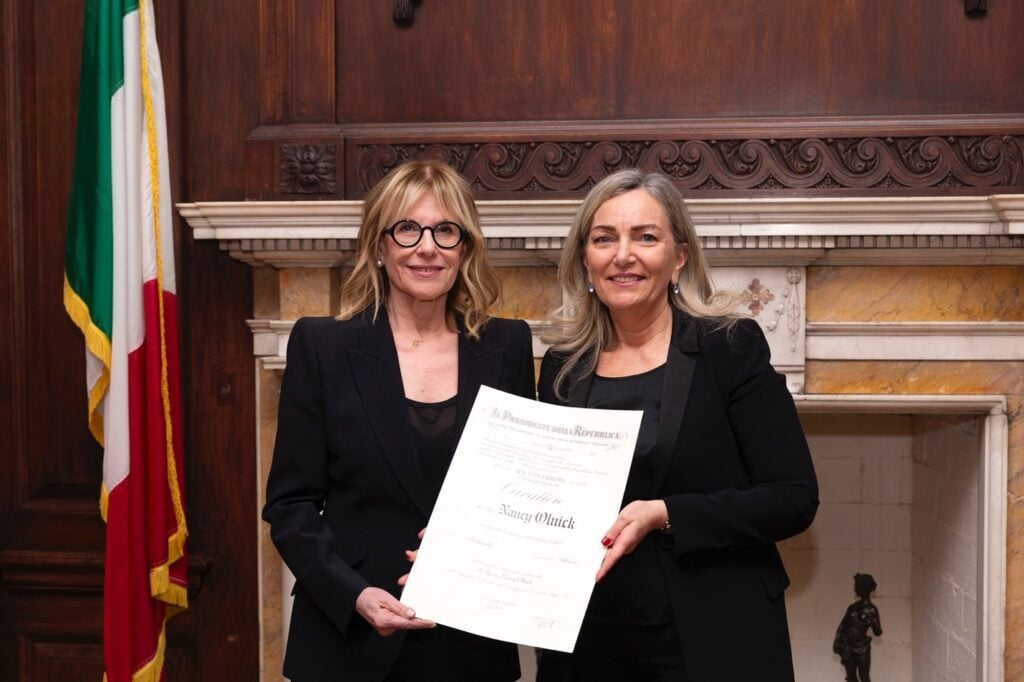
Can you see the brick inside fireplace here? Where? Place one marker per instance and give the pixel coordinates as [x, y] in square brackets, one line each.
[899, 500]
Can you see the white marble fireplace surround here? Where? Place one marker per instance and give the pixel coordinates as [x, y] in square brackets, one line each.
[761, 248]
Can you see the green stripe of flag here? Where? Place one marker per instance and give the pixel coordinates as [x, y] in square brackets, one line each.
[89, 247]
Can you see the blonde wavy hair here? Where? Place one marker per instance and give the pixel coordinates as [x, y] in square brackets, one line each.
[582, 327]
[476, 287]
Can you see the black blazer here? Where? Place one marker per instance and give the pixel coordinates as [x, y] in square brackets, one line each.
[346, 495]
[733, 467]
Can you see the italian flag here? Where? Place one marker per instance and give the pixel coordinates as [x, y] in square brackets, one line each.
[119, 289]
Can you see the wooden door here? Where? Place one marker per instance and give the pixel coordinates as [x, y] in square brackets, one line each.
[51, 534]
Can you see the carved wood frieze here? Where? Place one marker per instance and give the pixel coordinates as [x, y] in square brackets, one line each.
[813, 165]
[308, 169]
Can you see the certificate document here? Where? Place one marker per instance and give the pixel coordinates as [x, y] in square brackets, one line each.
[514, 542]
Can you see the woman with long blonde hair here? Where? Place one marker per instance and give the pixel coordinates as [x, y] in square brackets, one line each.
[372, 404]
[691, 585]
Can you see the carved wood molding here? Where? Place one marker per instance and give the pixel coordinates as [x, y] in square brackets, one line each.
[975, 8]
[42, 571]
[71, 572]
[308, 169]
[816, 165]
[300, 161]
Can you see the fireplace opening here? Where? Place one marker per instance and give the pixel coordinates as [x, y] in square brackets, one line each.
[914, 500]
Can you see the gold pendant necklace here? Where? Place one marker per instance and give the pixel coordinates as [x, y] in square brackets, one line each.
[417, 342]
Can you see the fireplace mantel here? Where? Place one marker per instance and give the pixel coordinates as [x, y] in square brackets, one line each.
[878, 306]
[783, 231]
[763, 243]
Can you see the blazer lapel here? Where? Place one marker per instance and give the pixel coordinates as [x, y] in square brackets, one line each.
[579, 390]
[479, 365]
[379, 382]
[675, 391]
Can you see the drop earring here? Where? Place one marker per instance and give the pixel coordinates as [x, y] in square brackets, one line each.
[675, 288]
[590, 287]
[380, 263]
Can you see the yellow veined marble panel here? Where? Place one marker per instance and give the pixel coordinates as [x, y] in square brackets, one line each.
[528, 293]
[266, 294]
[912, 293]
[999, 378]
[883, 377]
[269, 391]
[271, 611]
[308, 291]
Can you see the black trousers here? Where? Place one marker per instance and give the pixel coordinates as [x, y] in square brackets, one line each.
[614, 652]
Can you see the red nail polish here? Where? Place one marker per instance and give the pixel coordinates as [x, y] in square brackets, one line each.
[606, 541]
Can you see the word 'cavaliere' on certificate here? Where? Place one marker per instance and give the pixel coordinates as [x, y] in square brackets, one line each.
[517, 526]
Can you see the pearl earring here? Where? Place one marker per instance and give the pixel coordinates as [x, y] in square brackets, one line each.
[380, 263]
[590, 287]
[675, 288]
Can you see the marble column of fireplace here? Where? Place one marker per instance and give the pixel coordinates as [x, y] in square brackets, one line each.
[909, 309]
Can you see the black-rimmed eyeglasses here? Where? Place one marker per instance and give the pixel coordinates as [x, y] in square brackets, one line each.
[408, 233]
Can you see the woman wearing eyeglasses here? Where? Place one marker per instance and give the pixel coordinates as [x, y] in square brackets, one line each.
[372, 405]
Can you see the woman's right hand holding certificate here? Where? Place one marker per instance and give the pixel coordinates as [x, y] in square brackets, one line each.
[386, 614]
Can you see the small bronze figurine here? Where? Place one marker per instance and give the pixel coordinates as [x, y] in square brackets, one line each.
[853, 644]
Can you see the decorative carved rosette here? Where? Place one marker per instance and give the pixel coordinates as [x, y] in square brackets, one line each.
[308, 169]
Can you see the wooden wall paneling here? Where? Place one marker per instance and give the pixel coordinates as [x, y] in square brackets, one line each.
[295, 151]
[313, 62]
[62, 463]
[462, 60]
[740, 97]
[220, 632]
[217, 637]
[72, 661]
[11, 276]
[276, 31]
[710, 157]
[58, 463]
[56, 603]
[221, 476]
[221, 92]
[171, 39]
[51, 536]
[466, 60]
[12, 315]
[68, 474]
